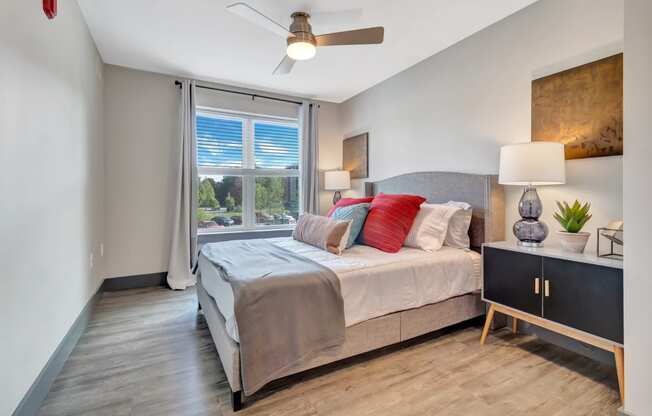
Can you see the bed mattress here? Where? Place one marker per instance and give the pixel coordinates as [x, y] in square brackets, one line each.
[373, 283]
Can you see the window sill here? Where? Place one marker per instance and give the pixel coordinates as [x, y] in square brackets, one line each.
[243, 234]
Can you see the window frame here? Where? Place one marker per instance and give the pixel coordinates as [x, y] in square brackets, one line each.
[248, 172]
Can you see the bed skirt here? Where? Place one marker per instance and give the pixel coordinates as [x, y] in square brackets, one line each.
[360, 338]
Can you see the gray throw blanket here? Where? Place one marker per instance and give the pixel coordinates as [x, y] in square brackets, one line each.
[287, 307]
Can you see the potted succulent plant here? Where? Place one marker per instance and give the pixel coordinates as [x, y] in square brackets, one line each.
[572, 218]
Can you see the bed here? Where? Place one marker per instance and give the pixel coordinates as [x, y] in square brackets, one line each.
[388, 298]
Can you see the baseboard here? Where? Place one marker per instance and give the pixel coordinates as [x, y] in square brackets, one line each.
[621, 412]
[135, 282]
[34, 397]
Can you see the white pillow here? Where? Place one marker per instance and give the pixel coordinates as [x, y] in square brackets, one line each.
[457, 235]
[429, 228]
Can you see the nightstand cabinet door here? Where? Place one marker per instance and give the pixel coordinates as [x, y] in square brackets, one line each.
[509, 279]
[585, 297]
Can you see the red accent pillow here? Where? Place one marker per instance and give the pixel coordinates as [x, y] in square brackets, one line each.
[345, 202]
[389, 221]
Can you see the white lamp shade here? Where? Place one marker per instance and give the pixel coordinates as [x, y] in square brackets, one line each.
[536, 163]
[337, 180]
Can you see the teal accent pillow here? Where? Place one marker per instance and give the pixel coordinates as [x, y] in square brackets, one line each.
[356, 214]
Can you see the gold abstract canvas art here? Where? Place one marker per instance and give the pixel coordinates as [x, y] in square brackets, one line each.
[582, 108]
[355, 156]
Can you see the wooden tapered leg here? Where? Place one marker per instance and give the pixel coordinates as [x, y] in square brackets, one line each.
[619, 355]
[487, 324]
[514, 325]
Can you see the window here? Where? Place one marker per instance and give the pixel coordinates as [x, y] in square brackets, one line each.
[248, 168]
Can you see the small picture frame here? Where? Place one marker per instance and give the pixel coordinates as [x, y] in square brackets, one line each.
[610, 237]
[355, 156]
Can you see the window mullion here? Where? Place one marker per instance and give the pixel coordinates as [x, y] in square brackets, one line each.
[250, 162]
[250, 213]
[249, 195]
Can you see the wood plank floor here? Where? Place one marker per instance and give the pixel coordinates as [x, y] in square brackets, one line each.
[148, 352]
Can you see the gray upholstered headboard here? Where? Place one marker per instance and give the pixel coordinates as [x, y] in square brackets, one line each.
[483, 192]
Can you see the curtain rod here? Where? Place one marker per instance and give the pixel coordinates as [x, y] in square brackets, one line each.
[177, 82]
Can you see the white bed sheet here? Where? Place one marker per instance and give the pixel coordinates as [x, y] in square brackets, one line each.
[373, 283]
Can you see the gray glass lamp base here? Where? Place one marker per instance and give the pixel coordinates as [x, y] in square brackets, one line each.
[529, 231]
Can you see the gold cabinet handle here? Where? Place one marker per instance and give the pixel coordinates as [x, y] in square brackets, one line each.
[546, 290]
[537, 289]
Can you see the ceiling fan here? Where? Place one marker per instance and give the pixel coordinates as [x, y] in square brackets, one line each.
[301, 42]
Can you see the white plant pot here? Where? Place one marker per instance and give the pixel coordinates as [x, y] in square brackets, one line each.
[573, 242]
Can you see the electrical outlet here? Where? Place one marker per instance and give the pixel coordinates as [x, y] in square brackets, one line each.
[101, 249]
[91, 260]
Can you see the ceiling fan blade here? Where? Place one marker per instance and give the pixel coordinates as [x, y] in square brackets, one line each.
[249, 13]
[352, 37]
[285, 66]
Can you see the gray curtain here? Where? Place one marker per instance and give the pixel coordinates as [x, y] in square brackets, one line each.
[309, 113]
[183, 250]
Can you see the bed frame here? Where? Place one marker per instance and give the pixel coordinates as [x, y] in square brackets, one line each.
[487, 224]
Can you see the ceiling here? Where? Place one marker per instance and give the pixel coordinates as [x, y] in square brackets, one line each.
[202, 40]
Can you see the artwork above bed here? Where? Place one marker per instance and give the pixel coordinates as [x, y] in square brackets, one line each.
[355, 156]
[582, 108]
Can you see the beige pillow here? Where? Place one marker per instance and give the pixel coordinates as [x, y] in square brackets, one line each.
[323, 232]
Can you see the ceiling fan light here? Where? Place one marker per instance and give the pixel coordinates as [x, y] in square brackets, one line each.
[300, 51]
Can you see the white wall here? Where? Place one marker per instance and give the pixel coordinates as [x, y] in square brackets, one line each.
[51, 182]
[454, 110]
[638, 206]
[141, 127]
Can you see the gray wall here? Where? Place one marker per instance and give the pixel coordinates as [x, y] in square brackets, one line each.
[638, 206]
[454, 110]
[141, 127]
[51, 182]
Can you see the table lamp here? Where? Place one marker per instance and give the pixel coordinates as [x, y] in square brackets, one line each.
[337, 180]
[530, 165]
